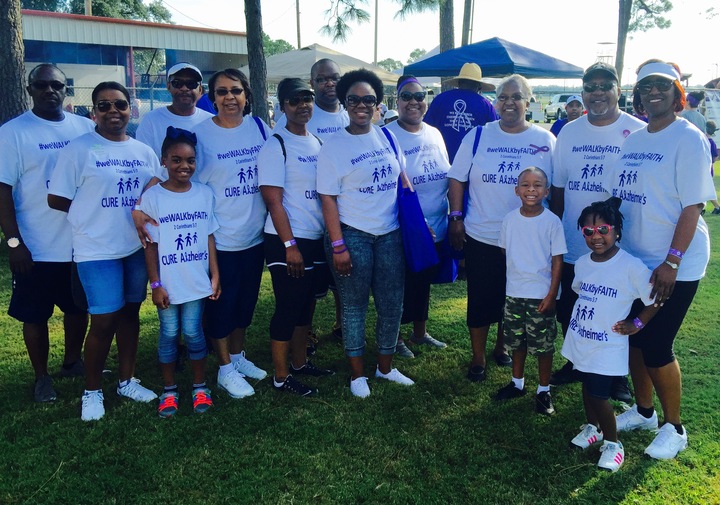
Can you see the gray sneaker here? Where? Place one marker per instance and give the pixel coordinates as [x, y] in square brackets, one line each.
[428, 340]
[402, 350]
[43, 390]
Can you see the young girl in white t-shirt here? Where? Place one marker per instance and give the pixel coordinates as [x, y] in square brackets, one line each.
[182, 265]
[607, 281]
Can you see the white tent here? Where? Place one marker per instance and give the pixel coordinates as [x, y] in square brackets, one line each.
[297, 63]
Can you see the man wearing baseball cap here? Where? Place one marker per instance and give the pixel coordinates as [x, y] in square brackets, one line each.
[184, 82]
[457, 111]
[585, 150]
[574, 108]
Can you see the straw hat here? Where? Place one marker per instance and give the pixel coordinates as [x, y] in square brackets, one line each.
[472, 72]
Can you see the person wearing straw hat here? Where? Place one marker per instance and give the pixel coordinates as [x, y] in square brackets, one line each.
[457, 111]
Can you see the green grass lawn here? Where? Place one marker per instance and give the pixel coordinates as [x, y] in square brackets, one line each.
[442, 441]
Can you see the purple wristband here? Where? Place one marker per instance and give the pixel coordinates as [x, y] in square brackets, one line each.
[155, 285]
[338, 243]
[456, 213]
[638, 324]
[676, 253]
[340, 251]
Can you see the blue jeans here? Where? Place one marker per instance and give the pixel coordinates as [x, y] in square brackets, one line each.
[378, 263]
[188, 318]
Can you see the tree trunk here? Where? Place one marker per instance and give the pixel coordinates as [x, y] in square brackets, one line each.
[623, 22]
[13, 101]
[256, 59]
[447, 30]
[467, 22]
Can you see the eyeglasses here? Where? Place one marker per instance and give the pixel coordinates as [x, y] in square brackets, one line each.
[322, 80]
[603, 229]
[662, 85]
[188, 83]
[406, 96]
[354, 100]
[106, 105]
[603, 86]
[294, 101]
[515, 98]
[175, 133]
[234, 91]
[42, 85]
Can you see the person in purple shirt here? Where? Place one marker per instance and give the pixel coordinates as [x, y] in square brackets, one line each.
[457, 111]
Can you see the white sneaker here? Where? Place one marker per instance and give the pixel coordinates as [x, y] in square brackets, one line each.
[587, 437]
[235, 384]
[394, 376]
[248, 368]
[359, 387]
[612, 456]
[667, 443]
[136, 392]
[632, 420]
[92, 406]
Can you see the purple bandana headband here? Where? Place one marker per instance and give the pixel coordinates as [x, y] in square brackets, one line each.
[407, 81]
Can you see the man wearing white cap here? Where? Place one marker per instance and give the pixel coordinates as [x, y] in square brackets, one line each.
[184, 82]
[585, 150]
[457, 111]
[574, 108]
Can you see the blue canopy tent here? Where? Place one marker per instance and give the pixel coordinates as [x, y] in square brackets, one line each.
[497, 58]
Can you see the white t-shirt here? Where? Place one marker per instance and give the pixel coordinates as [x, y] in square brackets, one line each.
[298, 178]
[185, 221]
[227, 162]
[606, 293]
[103, 179]
[493, 173]
[584, 154]
[29, 147]
[153, 127]
[427, 165]
[322, 123]
[530, 244]
[657, 176]
[362, 171]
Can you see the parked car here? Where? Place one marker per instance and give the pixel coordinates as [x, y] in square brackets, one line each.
[556, 108]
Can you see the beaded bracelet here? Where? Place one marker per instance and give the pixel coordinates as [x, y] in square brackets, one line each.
[338, 243]
[676, 253]
[340, 251]
[638, 323]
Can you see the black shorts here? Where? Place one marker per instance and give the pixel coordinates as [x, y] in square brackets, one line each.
[597, 385]
[485, 271]
[35, 294]
[568, 297]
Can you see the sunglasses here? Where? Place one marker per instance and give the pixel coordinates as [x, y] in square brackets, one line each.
[42, 85]
[106, 105]
[354, 100]
[603, 229]
[662, 85]
[234, 91]
[406, 96]
[188, 83]
[294, 101]
[324, 80]
[603, 86]
[175, 133]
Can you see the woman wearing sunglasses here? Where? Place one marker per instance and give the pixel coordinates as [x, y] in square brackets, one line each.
[357, 180]
[294, 253]
[427, 165]
[227, 150]
[99, 178]
[663, 181]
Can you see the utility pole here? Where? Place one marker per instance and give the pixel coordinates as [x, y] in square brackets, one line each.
[468, 21]
[376, 33]
[297, 10]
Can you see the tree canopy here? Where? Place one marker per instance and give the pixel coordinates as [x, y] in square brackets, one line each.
[154, 11]
[275, 46]
[638, 15]
[389, 64]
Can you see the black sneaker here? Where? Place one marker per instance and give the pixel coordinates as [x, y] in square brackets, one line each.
[476, 373]
[503, 359]
[544, 404]
[294, 386]
[509, 392]
[337, 333]
[310, 369]
[566, 375]
[312, 343]
[716, 210]
[621, 390]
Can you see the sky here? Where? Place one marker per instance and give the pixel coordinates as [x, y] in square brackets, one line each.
[559, 28]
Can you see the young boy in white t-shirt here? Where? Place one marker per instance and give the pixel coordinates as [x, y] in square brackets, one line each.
[182, 265]
[534, 243]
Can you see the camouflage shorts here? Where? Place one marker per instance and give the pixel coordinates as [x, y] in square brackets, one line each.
[525, 327]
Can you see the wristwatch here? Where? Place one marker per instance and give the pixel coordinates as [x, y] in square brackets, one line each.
[672, 265]
[13, 242]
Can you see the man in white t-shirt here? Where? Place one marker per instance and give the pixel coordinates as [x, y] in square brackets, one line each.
[184, 82]
[38, 237]
[585, 150]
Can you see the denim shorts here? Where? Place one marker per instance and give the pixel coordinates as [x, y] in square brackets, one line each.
[110, 284]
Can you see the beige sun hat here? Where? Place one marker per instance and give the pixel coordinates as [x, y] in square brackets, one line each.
[472, 72]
